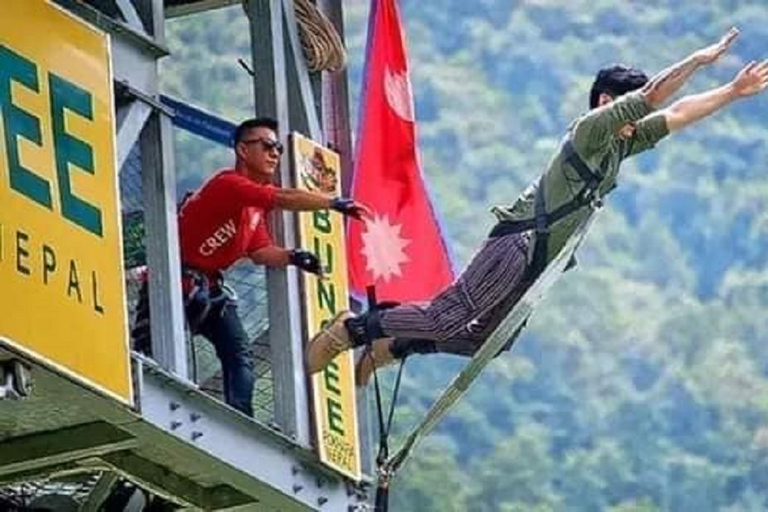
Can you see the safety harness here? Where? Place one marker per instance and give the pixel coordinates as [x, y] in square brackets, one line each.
[542, 221]
[202, 295]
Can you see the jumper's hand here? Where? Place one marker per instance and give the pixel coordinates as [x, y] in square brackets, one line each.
[753, 78]
[713, 52]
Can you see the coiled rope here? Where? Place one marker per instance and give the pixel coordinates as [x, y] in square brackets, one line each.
[321, 44]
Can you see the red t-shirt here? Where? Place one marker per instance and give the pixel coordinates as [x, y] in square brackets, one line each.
[224, 221]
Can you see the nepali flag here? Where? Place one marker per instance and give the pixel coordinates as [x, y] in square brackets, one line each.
[401, 250]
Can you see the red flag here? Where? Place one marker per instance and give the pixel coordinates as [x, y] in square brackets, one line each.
[401, 251]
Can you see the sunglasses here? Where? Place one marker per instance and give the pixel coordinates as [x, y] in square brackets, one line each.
[267, 144]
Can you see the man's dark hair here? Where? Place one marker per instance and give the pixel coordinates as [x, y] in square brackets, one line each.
[616, 80]
[249, 124]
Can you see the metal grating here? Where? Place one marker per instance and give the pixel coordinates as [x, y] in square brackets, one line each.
[63, 493]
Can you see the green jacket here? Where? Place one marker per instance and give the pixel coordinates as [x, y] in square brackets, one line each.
[595, 138]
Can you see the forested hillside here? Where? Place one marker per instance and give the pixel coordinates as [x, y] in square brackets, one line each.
[641, 383]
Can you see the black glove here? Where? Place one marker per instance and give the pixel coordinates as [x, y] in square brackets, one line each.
[347, 206]
[306, 261]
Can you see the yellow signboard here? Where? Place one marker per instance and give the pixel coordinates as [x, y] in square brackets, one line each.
[63, 296]
[322, 232]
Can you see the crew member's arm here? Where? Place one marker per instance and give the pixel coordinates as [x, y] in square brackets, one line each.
[752, 79]
[297, 200]
[262, 251]
[271, 256]
[292, 199]
[274, 256]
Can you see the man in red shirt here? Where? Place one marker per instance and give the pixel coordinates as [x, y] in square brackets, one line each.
[225, 221]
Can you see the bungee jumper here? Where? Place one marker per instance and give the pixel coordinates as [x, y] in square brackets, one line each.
[485, 309]
[623, 121]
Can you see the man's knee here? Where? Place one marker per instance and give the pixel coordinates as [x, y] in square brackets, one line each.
[238, 351]
[454, 328]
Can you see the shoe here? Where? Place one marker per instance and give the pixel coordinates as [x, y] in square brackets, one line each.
[328, 343]
[379, 354]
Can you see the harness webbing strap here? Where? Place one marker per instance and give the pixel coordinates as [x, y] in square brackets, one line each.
[384, 475]
[540, 248]
[542, 220]
[509, 327]
[590, 178]
[384, 427]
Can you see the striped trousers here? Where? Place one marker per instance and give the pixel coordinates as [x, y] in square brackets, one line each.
[463, 315]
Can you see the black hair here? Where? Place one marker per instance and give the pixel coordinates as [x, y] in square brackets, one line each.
[616, 80]
[249, 124]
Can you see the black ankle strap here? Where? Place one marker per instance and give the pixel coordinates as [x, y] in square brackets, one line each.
[365, 328]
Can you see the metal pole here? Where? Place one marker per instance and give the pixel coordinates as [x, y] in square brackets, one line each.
[285, 331]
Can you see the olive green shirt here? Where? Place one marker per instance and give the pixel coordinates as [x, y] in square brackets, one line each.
[595, 138]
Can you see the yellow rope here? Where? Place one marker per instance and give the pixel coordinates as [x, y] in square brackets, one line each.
[322, 46]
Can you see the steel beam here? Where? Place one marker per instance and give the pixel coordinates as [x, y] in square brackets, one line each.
[100, 492]
[50, 449]
[270, 89]
[169, 343]
[152, 475]
[286, 472]
[176, 8]
[304, 103]
[336, 111]
[132, 119]
[131, 15]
